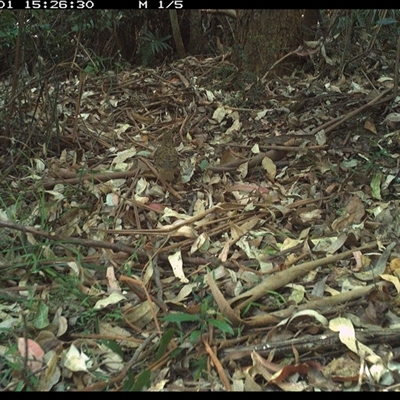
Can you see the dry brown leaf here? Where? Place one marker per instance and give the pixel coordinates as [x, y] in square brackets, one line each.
[222, 304]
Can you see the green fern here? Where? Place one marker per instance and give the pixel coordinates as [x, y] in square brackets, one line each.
[151, 45]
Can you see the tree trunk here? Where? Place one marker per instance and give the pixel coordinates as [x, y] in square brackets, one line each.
[265, 36]
[195, 32]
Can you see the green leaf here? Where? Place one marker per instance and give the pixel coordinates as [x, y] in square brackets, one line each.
[129, 382]
[20, 386]
[114, 346]
[195, 336]
[386, 21]
[142, 381]
[204, 307]
[165, 340]
[201, 364]
[222, 325]
[203, 164]
[376, 185]
[41, 318]
[182, 317]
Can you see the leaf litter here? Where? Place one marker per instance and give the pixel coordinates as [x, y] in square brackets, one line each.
[270, 264]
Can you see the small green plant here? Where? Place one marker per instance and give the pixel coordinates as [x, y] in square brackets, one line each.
[151, 45]
[126, 268]
[248, 307]
[279, 299]
[201, 320]
[95, 66]
[137, 383]
[200, 368]
[114, 315]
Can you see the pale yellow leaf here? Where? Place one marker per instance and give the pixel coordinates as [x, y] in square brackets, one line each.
[392, 279]
[176, 263]
[270, 167]
[202, 243]
[183, 293]
[113, 298]
[75, 360]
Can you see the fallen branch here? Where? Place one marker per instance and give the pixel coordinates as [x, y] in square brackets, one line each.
[318, 344]
[282, 278]
[319, 304]
[331, 125]
[78, 241]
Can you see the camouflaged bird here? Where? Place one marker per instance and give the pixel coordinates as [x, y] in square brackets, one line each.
[166, 157]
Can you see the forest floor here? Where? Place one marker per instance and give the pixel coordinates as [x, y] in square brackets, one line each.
[269, 262]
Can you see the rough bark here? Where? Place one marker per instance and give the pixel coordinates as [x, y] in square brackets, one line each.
[265, 36]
